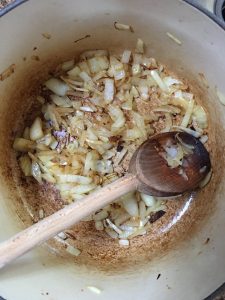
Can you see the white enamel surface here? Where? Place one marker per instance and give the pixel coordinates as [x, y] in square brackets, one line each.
[184, 274]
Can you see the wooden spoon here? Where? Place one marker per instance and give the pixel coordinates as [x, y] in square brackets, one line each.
[148, 173]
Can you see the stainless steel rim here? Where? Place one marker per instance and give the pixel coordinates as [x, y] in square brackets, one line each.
[212, 16]
[219, 7]
[9, 7]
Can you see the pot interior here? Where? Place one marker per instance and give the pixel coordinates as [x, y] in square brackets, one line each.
[71, 34]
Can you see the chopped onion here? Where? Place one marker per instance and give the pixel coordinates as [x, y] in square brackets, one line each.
[94, 289]
[41, 213]
[61, 101]
[25, 165]
[167, 109]
[187, 146]
[48, 177]
[97, 64]
[139, 231]
[170, 81]
[87, 108]
[136, 69]
[204, 139]
[75, 72]
[109, 90]
[124, 242]
[188, 130]
[83, 189]
[111, 233]
[62, 235]
[120, 26]
[130, 204]
[139, 46]
[148, 200]
[159, 81]
[126, 57]
[117, 116]
[168, 123]
[142, 210]
[120, 156]
[206, 180]
[74, 178]
[99, 225]
[36, 131]
[103, 214]
[200, 116]
[67, 65]
[23, 145]
[85, 77]
[57, 86]
[173, 38]
[221, 97]
[72, 250]
[187, 115]
[36, 171]
[132, 134]
[113, 226]
[121, 219]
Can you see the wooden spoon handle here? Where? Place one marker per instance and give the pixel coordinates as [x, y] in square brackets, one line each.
[64, 218]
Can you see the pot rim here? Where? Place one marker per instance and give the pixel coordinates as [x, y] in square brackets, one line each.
[192, 3]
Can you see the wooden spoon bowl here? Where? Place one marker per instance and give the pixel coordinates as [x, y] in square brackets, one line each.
[157, 178]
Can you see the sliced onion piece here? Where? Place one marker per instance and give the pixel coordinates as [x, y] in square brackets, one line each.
[120, 26]
[61, 101]
[57, 86]
[173, 38]
[94, 290]
[188, 130]
[139, 46]
[85, 77]
[126, 57]
[36, 171]
[74, 178]
[111, 233]
[206, 180]
[221, 97]
[73, 251]
[188, 113]
[204, 139]
[67, 65]
[36, 131]
[130, 204]
[83, 189]
[188, 146]
[124, 242]
[199, 115]
[103, 214]
[25, 165]
[99, 225]
[23, 145]
[148, 200]
[109, 90]
[113, 226]
[159, 81]
[117, 116]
